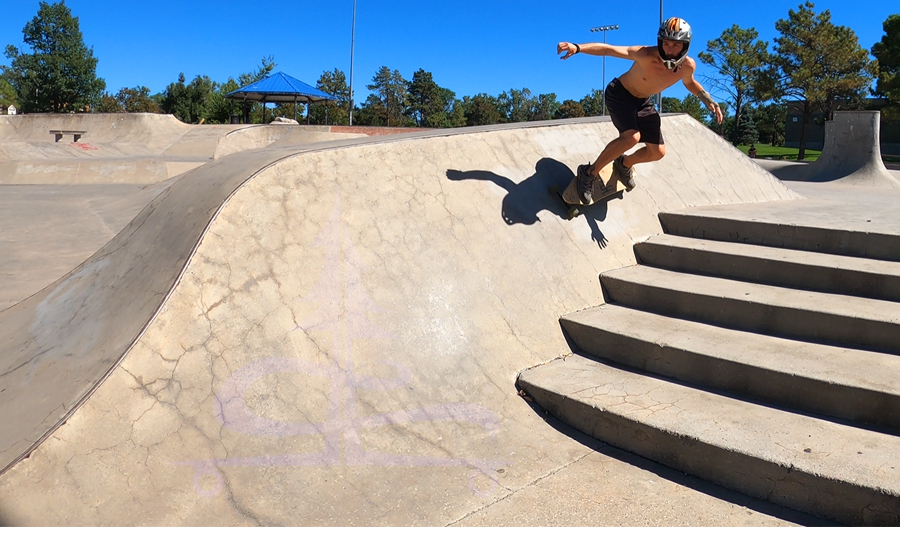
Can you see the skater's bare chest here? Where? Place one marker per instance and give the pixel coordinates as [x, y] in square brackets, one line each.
[648, 78]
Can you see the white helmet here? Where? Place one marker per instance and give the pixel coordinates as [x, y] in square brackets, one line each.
[676, 30]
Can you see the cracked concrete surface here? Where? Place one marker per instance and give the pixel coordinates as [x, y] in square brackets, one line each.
[331, 336]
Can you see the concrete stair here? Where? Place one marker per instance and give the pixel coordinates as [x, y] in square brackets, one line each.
[805, 237]
[771, 371]
[854, 276]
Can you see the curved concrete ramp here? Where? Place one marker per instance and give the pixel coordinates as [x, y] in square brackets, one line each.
[257, 136]
[129, 148]
[329, 336]
[160, 130]
[132, 148]
[851, 154]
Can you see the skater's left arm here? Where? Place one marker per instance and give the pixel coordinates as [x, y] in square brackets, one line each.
[695, 88]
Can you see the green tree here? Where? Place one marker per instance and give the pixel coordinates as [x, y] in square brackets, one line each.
[8, 96]
[371, 113]
[175, 99]
[690, 105]
[332, 113]
[457, 115]
[593, 103]
[60, 74]
[136, 100]
[266, 66]
[201, 93]
[671, 105]
[819, 63]
[256, 110]
[721, 129]
[218, 108]
[887, 52]
[191, 103]
[570, 109]
[741, 62]
[748, 134]
[108, 104]
[519, 105]
[545, 107]
[131, 100]
[430, 105]
[391, 93]
[769, 121]
[482, 109]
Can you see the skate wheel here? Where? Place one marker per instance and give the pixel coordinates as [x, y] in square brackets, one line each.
[573, 213]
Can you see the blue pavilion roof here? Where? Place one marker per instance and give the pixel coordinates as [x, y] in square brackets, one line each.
[280, 88]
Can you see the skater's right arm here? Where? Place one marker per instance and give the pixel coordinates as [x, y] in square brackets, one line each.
[598, 49]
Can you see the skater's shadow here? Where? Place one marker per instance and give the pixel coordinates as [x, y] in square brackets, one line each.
[525, 199]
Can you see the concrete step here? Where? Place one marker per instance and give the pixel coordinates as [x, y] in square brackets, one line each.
[859, 386]
[874, 238]
[835, 471]
[854, 276]
[839, 320]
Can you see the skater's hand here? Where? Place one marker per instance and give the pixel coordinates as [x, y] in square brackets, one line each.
[569, 48]
[717, 111]
[706, 98]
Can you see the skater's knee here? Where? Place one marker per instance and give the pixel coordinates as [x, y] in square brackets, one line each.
[657, 152]
[633, 137]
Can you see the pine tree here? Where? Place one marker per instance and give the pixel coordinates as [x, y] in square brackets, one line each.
[332, 113]
[887, 51]
[819, 63]
[748, 134]
[741, 60]
[391, 94]
[430, 105]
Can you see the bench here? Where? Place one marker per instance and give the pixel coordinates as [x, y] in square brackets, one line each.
[76, 134]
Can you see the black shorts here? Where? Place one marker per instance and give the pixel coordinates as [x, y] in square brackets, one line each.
[629, 112]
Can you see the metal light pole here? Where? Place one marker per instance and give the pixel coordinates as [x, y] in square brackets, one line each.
[659, 96]
[604, 29]
[352, 44]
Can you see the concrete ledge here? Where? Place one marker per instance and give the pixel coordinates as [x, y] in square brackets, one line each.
[815, 466]
[872, 235]
[855, 385]
[817, 317]
[837, 274]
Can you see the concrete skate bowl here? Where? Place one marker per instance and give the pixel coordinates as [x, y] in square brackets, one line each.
[850, 156]
[135, 148]
[330, 335]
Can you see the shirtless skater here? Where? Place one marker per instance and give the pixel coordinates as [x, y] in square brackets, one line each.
[628, 99]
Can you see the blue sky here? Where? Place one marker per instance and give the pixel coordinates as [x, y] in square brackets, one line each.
[469, 46]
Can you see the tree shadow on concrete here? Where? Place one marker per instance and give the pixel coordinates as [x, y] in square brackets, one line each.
[527, 198]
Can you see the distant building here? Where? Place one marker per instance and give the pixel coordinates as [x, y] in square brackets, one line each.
[11, 110]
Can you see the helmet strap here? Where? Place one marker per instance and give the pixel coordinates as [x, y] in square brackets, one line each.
[667, 61]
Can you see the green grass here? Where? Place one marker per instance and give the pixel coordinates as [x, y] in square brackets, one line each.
[764, 151]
